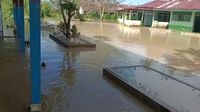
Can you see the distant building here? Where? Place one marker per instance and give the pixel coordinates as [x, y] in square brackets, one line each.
[182, 15]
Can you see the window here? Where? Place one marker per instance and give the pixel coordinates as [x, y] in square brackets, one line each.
[175, 18]
[187, 18]
[139, 15]
[197, 13]
[127, 16]
[162, 16]
[133, 16]
[120, 15]
[136, 15]
[182, 16]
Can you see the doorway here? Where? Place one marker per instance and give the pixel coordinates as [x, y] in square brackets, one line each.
[197, 22]
[148, 18]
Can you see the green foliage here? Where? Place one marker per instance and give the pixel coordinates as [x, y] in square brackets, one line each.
[96, 15]
[7, 10]
[70, 6]
[46, 9]
[61, 26]
[74, 31]
[26, 7]
[92, 15]
[110, 16]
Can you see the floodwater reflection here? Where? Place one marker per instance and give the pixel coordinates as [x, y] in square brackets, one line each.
[73, 78]
[157, 44]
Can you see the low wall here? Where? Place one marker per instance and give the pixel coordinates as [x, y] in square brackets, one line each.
[132, 22]
[157, 24]
[181, 26]
[120, 21]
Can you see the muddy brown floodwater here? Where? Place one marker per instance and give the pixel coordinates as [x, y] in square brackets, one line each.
[170, 52]
[73, 79]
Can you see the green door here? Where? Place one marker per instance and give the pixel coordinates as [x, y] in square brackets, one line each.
[197, 23]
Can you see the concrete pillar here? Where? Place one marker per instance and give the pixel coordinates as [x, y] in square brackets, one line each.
[142, 19]
[35, 51]
[193, 20]
[130, 14]
[21, 25]
[171, 16]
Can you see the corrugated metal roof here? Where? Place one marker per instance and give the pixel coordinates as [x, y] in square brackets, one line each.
[155, 3]
[175, 4]
[187, 5]
[168, 5]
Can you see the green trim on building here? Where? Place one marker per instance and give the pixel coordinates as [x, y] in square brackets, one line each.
[186, 26]
[180, 20]
[181, 28]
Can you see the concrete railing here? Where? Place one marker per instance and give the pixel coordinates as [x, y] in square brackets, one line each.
[157, 24]
[132, 22]
[121, 21]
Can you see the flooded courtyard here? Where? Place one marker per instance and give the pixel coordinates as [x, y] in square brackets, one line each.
[170, 48]
[73, 80]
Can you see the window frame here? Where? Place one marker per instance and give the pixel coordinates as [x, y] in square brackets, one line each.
[182, 16]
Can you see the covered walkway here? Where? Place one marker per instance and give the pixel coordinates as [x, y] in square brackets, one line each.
[20, 89]
[14, 78]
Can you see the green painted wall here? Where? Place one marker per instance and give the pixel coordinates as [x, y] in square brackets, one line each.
[182, 26]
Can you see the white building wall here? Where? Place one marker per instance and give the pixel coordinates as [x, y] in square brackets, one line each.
[157, 24]
[132, 22]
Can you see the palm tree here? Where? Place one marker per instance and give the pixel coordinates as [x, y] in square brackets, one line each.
[63, 14]
[70, 7]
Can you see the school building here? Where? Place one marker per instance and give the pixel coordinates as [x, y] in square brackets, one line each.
[181, 15]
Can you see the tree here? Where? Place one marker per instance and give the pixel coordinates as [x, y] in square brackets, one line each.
[46, 9]
[7, 10]
[70, 8]
[101, 6]
[26, 8]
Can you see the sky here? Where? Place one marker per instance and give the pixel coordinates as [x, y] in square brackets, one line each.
[136, 2]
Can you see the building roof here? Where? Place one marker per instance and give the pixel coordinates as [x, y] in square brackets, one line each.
[174, 4]
[155, 3]
[148, 6]
[168, 5]
[187, 5]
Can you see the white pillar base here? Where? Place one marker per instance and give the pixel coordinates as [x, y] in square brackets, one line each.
[35, 108]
